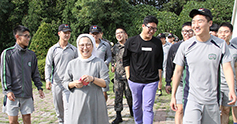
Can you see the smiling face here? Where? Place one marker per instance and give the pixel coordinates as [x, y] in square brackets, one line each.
[23, 39]
[120, 35]
[201, 25]
[149, 30]
[85, 47]
[224, 33]
[187, 32]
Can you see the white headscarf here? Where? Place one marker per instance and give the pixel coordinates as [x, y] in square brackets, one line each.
[93, 54]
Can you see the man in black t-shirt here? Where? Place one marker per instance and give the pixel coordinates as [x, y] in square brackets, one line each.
[143, 59]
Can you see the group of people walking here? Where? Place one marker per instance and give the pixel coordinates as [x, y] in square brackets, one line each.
[200, 68]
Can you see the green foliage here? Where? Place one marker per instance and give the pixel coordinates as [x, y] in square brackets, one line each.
[175, 6]
[221, 10]
[6, 11]
[168, 22]
[155, 3]
[137, 16]
[43, 40]
[41, 66]
[106, 14]
[49, 11]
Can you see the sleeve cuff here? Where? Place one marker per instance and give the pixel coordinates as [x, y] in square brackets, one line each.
[168, 84]
[40, 88]
[8, 91]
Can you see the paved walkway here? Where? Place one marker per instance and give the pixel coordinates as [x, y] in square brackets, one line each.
[161, 114]
[44, 111]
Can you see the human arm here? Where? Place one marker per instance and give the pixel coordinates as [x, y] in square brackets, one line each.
[48, 68]
[176, 80]
[6, 73]
[229, 75]
[160, 77]
[126, 59]
[113, 66]
[127, 71]
[235, 73]
[108, 54]
[36, 77]
[103, 78]
[169, 69]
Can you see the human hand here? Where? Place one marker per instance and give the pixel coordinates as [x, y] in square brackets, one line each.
[87, 78]
[113, 69]
[77, 84]
[173, 104]
[41, 93]
[48, 85]
[11, 96]
[168, 89]
[232, 98]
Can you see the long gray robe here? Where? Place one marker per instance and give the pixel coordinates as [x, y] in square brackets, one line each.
[87, 104]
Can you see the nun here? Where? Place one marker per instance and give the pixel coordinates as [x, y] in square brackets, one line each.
[84, 78]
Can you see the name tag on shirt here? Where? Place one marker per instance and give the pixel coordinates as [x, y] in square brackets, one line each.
[146, 49]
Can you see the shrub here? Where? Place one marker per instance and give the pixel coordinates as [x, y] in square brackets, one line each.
[41, 66]
[43, 39]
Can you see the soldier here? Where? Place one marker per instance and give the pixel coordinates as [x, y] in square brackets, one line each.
[120, 81]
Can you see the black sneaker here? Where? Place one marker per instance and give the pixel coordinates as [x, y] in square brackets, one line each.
[159, 92]
[117, 120]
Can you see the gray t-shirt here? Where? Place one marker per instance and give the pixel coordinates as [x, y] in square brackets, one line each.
[201, 62]
[104, 52]
[233, 53]
[56, 61]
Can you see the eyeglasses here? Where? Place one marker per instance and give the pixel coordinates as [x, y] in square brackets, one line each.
[187, 31]
[88, 45]
[151, 28]
[26, 35]
[119, 32]
[199, 21]
[225, 31]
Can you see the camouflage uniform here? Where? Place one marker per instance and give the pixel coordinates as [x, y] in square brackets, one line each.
[120, 81]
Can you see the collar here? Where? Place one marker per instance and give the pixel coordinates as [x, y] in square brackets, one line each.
[68, 45]
[20, 48]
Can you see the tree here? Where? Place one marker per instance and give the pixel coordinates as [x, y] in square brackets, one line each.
[155, 3]
[168, 22]
[106, 14]
[176, 6]
[49, 11]
[11, 13]
[221, 10]
[43, 39]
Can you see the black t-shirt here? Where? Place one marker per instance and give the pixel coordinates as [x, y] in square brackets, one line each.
[144, 59]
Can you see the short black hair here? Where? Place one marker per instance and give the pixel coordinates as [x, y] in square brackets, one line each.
[214, 27]
[150, 19]
[20, 29]
[227, 24]
[186, 24]
[120, 27]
